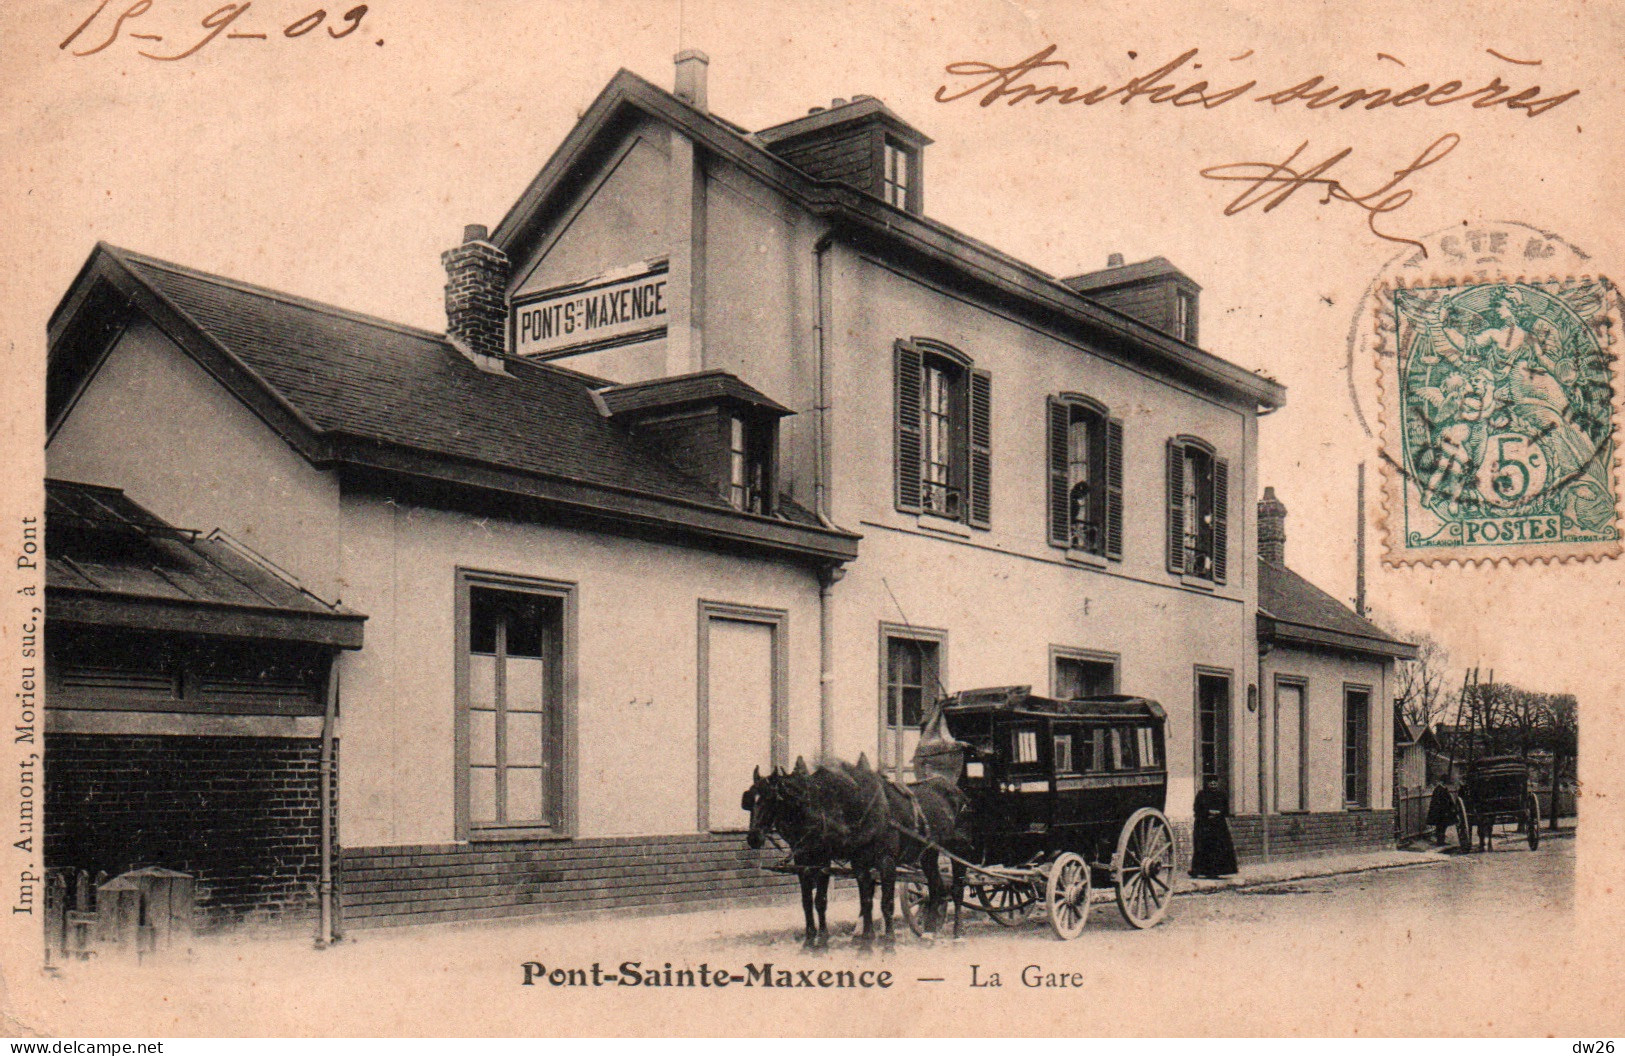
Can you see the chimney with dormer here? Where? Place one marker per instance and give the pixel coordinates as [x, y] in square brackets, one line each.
[1271, 529]
[476, 297]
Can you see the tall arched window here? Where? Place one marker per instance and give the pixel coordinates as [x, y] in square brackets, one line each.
[944, 433]
[1085, 477]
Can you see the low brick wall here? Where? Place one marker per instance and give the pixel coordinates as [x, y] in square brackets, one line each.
[240, 814]
[420, 884]
[1310, 835]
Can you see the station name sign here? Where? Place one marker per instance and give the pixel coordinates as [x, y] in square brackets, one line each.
[602, 312]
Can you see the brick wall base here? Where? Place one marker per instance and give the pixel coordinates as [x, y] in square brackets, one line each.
[1311, 835]
[441, 882]
[240, 814]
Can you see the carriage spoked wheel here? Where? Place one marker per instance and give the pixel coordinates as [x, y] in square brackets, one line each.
[1531, 818]
[1006, 902]
[913, 897]
[1464, 827]
[1066, 895]
[1143, 867]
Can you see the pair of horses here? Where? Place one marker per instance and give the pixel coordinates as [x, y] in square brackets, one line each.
[842, 812]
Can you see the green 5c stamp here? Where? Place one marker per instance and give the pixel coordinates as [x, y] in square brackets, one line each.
[1500, 414]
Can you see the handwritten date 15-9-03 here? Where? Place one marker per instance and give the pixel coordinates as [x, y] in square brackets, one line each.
[222, 20]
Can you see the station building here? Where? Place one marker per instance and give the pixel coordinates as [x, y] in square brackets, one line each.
[729, 454]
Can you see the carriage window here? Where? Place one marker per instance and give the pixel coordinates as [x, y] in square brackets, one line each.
[1063, 754]
[1148, 747]
[1125, 748]
[1103, 751]
[1087, 754]
[1026, 746]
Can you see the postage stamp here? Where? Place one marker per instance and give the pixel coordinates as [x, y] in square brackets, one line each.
[1500, 418]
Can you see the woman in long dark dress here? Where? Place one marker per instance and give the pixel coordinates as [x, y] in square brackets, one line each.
[1214, 853]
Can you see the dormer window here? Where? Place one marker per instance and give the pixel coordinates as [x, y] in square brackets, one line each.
[1185, 315]
[713, 427]
[749, 459]
[897, 176]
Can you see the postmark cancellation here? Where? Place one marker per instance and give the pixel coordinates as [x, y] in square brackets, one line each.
[1500, 413]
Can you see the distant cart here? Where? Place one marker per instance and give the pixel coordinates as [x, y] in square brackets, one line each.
[1496, 790]
[1062, 795]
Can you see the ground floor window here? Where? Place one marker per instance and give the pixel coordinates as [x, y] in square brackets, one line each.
[1356, 746]
[510, 694]
[1213, 728]
[911, 679]
[1076, 674]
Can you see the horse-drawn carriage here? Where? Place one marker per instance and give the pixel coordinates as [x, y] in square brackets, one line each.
[1061, 794]
[1032, 801]
[1495, 789]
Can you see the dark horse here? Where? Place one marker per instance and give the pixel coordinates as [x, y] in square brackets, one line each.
[850, 813]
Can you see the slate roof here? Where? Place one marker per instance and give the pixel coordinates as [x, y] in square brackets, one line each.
[864, 217]
[704, 386]
[1290, 608]
[350, 389]
[106, 555]
[352, 374]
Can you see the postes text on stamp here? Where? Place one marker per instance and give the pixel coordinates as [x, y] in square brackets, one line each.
[1500, 414]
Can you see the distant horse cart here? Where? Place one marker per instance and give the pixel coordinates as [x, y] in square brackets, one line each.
[1495, 789]
[1031, 801]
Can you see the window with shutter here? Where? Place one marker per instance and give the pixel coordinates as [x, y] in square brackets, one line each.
[944, 434]
[1085, 452]
[981, 448]
[908, 428]
[1198, 496]
[1176, 507]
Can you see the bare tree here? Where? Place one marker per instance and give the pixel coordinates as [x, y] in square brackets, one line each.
[1562, 734]
[1424, 696]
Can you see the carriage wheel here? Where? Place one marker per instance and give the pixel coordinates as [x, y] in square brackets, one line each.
[1531, 818]
[1066, 895]
[913, 899]
[1007, 903]
[1464, 827]
[1143, 868]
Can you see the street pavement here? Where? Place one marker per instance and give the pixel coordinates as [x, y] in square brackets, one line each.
[1426, 944]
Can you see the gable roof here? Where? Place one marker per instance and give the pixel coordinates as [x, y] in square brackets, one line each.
[865, 219]
[351, 391]
[1294, 611]
[111, 562]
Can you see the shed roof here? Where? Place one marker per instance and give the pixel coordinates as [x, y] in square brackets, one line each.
[1293, 610]
[111, 562]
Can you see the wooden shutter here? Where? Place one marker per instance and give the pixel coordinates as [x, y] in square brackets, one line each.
[1176, 506]
[1221, 517]
[981, 448]
[907, 460]
[1114, 488]
[1060, 527]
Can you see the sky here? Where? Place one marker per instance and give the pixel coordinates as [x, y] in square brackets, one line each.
[339, 167]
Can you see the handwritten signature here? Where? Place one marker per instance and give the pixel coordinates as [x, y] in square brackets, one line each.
[214, 24]
[1271, 184]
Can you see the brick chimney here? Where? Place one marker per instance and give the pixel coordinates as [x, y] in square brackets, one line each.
[1271, 528]
[476, 298]
[691, 69]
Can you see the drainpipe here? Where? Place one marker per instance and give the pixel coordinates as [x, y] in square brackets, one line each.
[326, 935]
[1264, 706]
[830, 574]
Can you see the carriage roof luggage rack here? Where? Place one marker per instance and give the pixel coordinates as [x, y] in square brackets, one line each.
[1021, 699]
